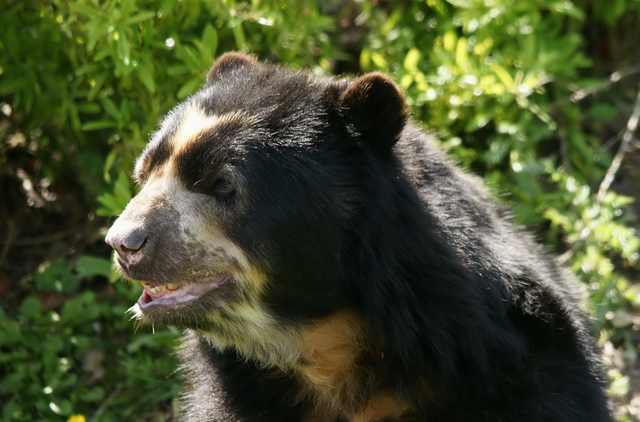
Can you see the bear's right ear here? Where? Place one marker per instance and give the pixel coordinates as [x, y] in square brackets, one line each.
[229, 62]
[373, 109]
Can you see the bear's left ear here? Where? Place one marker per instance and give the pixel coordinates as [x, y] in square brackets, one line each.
[229, 62]
[373, 106]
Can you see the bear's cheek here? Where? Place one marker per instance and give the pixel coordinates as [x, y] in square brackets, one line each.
[171, 240]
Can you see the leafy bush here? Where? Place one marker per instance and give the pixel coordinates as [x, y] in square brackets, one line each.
[79, 357]
[517, 90]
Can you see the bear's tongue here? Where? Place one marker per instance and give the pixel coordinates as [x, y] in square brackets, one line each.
[170, 294]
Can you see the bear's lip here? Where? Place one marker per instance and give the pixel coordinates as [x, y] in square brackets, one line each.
[171, 295]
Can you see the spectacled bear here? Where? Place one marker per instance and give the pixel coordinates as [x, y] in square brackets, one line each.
[330, 264]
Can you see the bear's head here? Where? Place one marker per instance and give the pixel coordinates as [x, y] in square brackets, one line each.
[250, 193]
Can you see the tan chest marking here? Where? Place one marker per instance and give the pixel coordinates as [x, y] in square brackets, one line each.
[330, 351]
[383, 406]
[331, 376]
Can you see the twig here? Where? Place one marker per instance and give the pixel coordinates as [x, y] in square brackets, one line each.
[632, 125]
[610, 142]
[106, 403]
[40, 239]
[564, 151]
[29, 188]
[581, 94]
[8, 240]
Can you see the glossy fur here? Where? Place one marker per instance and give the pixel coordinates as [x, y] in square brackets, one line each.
[372, 279]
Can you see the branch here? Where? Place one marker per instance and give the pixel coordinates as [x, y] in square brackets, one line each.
[40, 239]
[11, 230]
[106, 403]
[581, 94]
[627, 137]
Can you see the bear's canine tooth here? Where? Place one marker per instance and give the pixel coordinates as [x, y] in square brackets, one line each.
[172, 286]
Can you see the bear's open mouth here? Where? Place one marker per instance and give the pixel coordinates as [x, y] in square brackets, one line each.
[170, 294]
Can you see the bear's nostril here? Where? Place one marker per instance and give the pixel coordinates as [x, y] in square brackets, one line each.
[126, 249]
[128, 243]
[133, 242]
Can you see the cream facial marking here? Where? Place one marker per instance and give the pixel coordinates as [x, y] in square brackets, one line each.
[183, 128]
[195, 121]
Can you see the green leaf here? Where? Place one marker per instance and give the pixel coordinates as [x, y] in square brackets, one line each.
[111, 205]
[205, 56]
[95, 394]
[238, 34]
[123, 44]
[80, 308]
[411, 60]
[449, 40]
[98, 81]
[98, 125]
[462, 53]
[10, 333]
[110, 108]
[177, 69]
[320, 23]
[29, 307]
[111, 158]
[140, 17]
[146, 78]
[84, 9]
[379, 60]
[125, 110]
[188, 88]
[123, 187]
[88, 266]
[503, 74]
[603, 112]
[210, 38]
[115, 203]
[365, 59]
[56, 277]
[89, 108]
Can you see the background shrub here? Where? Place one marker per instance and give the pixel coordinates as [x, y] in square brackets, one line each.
[534, 95]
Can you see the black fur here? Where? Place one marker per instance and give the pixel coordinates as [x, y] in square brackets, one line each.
[348, 207]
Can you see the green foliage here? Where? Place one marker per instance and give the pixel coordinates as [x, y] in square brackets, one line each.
[506, 84]
[78, 359]
[56, 277]
[93, 80]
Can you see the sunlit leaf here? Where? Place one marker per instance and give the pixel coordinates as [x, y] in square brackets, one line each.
[411, 59]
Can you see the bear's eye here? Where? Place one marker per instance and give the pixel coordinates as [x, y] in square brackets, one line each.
[223, 187]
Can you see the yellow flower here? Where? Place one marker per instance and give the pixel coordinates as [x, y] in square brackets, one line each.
[76, 418]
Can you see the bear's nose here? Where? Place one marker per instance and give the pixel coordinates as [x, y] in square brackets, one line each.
[129, 245]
